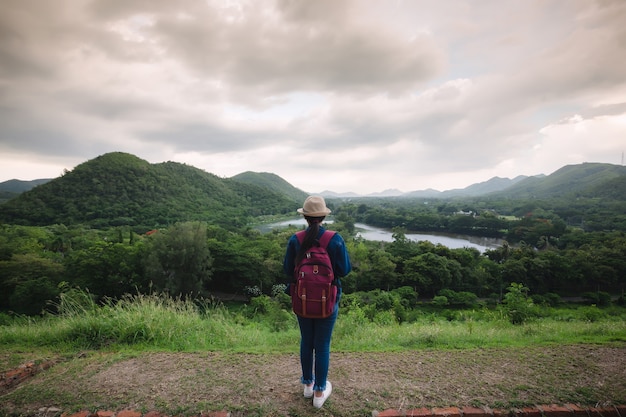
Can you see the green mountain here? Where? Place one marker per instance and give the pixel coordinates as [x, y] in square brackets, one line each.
[19, 186]
[12, 188]
[122, 189]
[272, 182]
[581, 180]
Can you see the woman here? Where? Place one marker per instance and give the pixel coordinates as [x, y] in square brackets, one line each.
[315, 334]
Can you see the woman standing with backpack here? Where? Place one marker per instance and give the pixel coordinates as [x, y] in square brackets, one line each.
[316, 333]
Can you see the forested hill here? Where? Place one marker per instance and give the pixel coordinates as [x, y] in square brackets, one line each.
[121, 189]
[591, 180]
[12, 188]
[272, 182]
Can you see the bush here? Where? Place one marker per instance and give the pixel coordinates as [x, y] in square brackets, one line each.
[400, 311]
[350, 320]
[385, 318]
[591, 313]
[516, 304]
[271, 311]
[600, 298]
[548, 299]
[408, 296]
[460, 298]
[261, 304]
[440, 300]
[283, 300]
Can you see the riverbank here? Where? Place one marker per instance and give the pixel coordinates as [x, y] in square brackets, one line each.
[367, 232]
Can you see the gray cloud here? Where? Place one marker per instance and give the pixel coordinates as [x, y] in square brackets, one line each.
[426, 92]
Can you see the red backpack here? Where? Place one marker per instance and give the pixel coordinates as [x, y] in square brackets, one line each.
[314, 293]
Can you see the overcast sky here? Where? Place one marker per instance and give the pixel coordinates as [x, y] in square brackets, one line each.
[334, 95]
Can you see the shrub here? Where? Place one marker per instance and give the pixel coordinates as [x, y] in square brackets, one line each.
[283, 300]
[459, 298]
[400, 311]
[600, 298]
[547, 299]
[516, 304]
[591, 313]
[408, 296]
[261, 304]
[278, 289]
[385, 318]
[440, 300]
[271, 311]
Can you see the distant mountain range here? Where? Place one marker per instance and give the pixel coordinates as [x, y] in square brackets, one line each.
[12, 188]
[119, 188]
[587, 179]
[493, 185]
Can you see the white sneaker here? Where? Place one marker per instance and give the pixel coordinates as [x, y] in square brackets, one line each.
[308, 391]
[318, 402]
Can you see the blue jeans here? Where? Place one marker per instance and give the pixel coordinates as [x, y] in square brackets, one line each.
[315, 341]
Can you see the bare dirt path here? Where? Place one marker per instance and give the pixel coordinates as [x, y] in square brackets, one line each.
[268, 385]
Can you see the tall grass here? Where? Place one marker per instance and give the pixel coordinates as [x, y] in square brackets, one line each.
[160, 322]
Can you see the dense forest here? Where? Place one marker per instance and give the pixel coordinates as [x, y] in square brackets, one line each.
[118, 189]
[117, 225]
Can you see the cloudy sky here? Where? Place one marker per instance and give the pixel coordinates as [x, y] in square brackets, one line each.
[341, 95]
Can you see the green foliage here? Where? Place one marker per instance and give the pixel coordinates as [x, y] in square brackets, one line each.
[548, 299]
[74, 302]
[601, 298]
[161, 322]
[271, 182]
[272, 312]
[179, 260]
[591, 313]
[107, 268]
[441, 300]
[28, 281]
[459, 298]
[116, 261]
[120, 189]
[408, 296]
[517, 305]
[554, 260]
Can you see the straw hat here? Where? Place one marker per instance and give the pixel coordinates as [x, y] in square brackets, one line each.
[314, 206]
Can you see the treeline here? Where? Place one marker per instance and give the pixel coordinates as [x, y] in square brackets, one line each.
[535, 222]
[199, 259]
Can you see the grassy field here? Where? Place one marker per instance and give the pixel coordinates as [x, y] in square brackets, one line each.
[151, 351]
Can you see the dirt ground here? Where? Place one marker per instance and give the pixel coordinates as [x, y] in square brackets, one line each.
[268, 384]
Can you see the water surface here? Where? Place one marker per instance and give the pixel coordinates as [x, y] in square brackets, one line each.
[452, 241]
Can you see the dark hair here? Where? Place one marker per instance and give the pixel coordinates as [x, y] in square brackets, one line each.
[311, 236]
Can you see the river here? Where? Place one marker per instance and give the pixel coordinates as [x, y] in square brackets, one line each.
[367, 232]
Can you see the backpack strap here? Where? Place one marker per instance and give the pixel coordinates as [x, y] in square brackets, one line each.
[323, 241]
[326, 237]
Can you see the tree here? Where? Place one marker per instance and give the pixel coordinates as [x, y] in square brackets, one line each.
[106, 269]
[517, 304]
[382, 273]
[28, 282]
[429, 273]
[179, 261]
